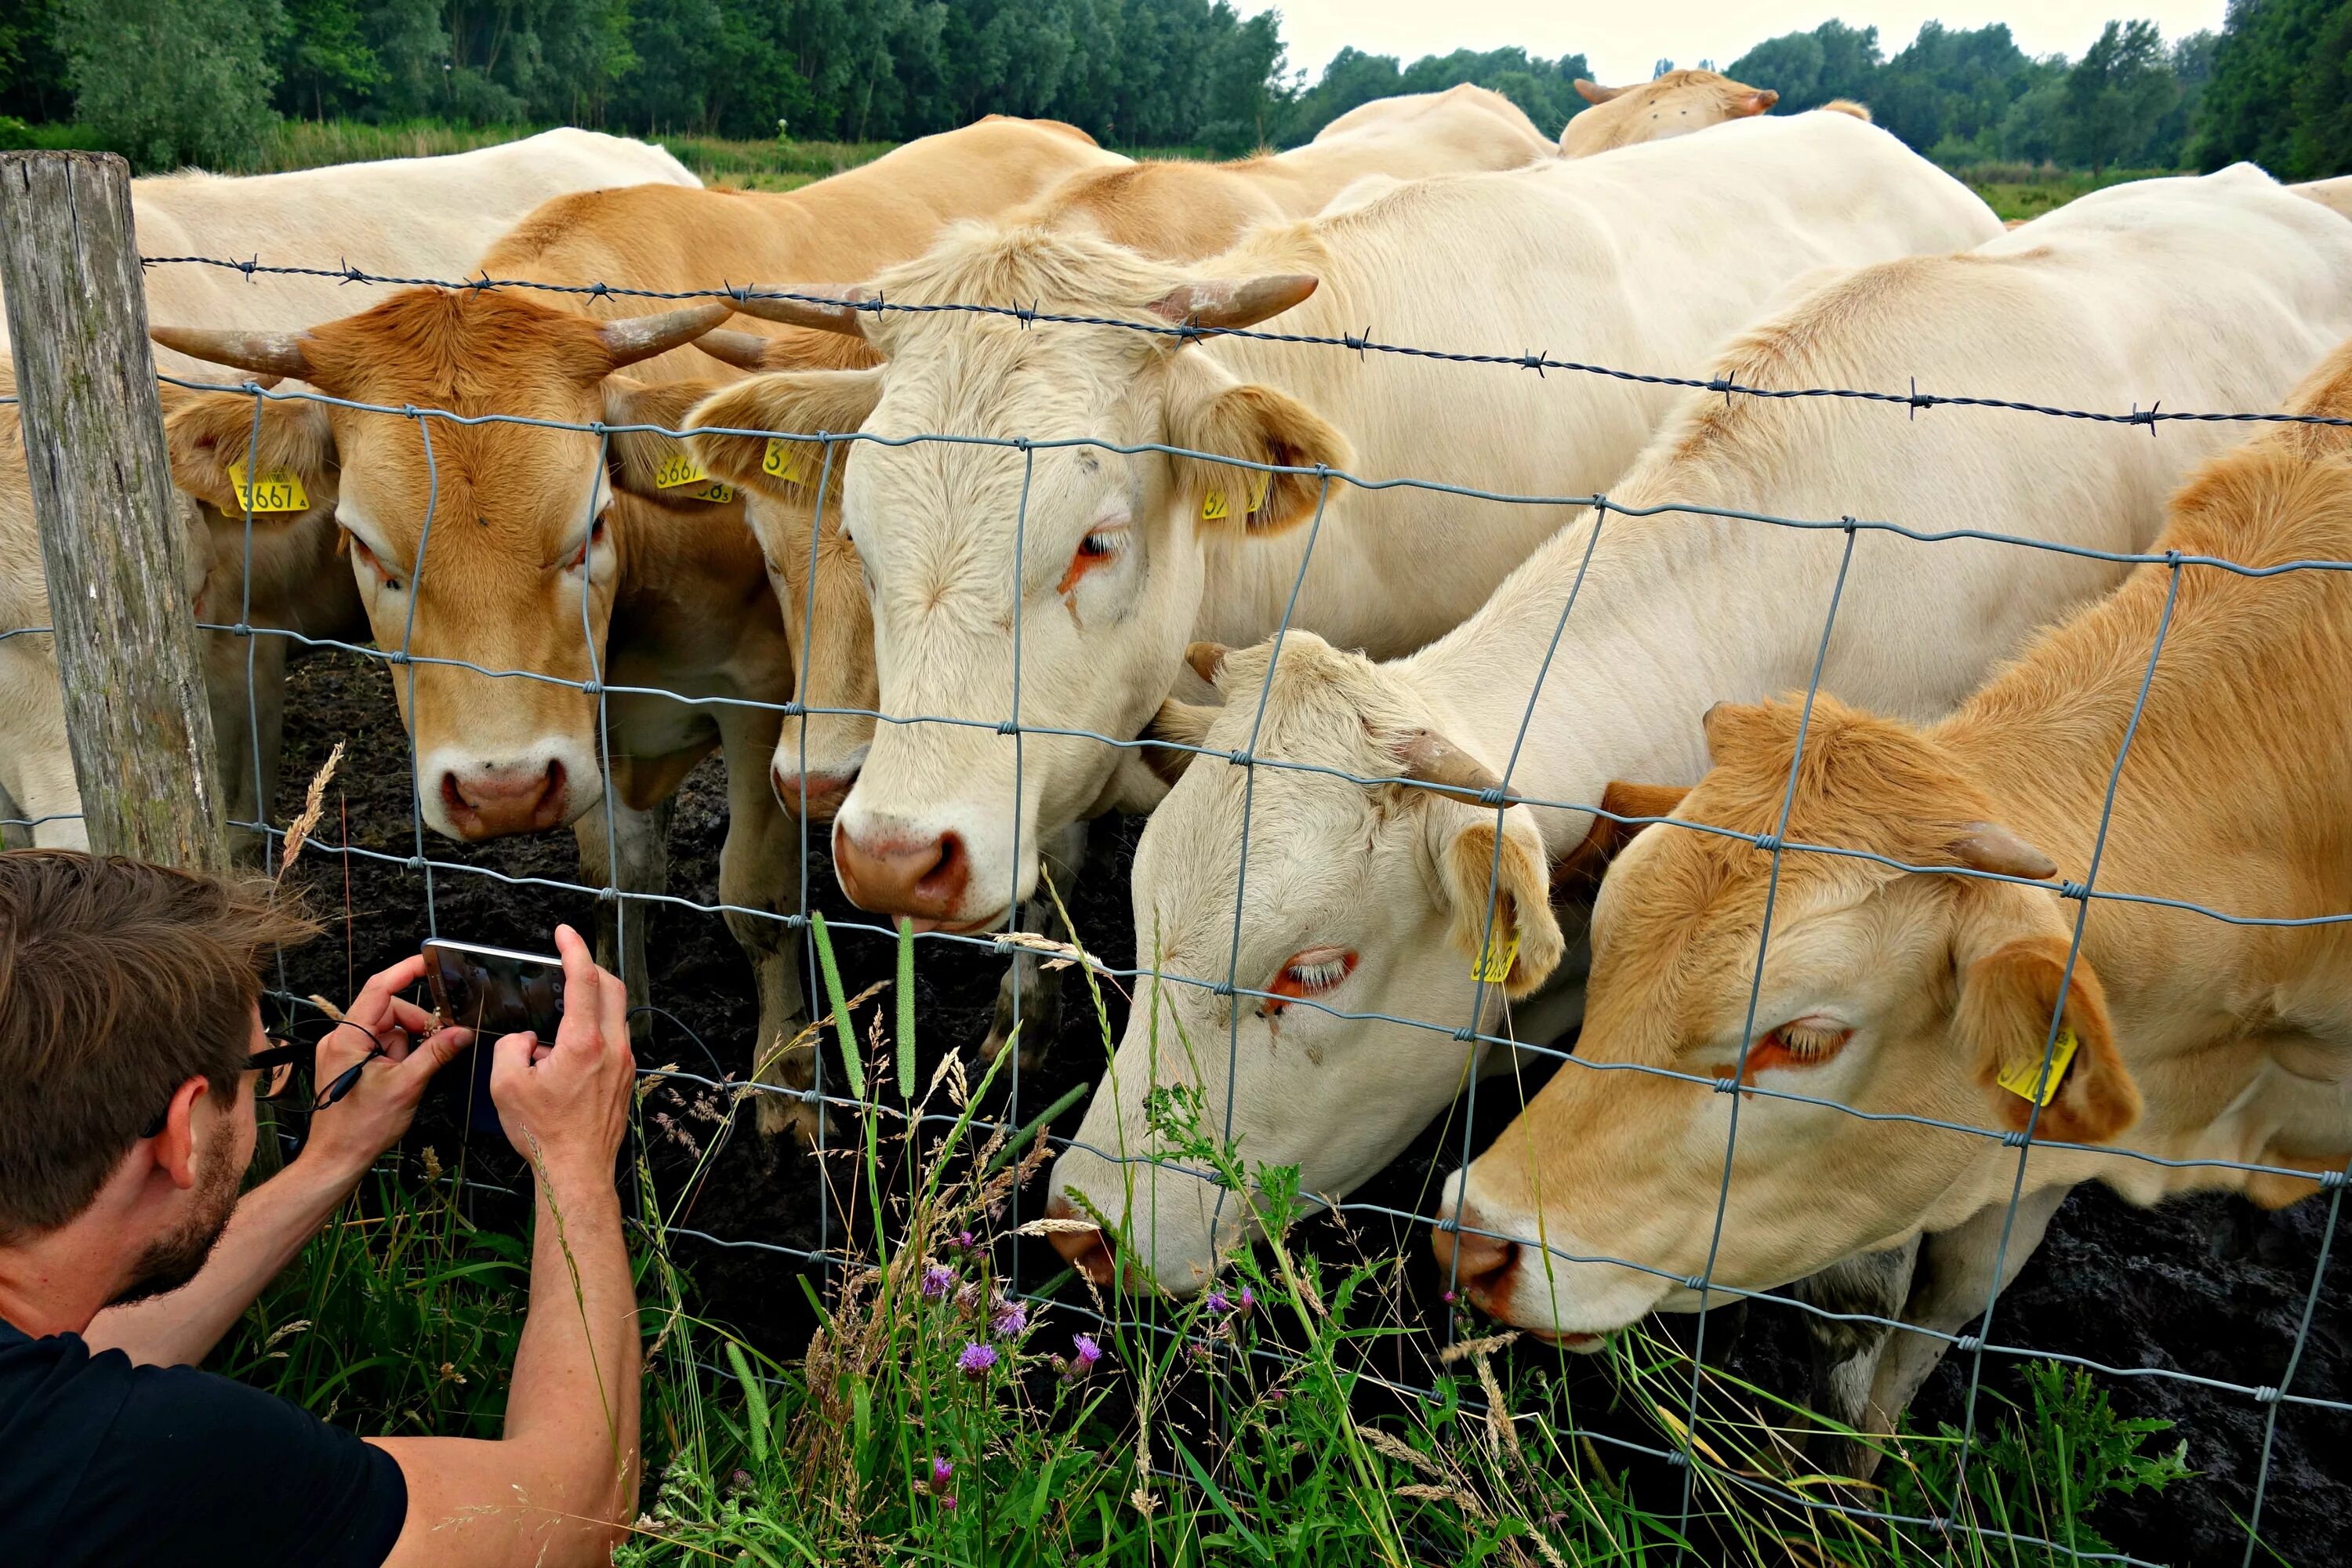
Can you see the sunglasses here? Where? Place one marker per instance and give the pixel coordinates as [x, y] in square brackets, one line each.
[275, 1065]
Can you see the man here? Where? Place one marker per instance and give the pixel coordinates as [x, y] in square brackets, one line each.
[128, 1016]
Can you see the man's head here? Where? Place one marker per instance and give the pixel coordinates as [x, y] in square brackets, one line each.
[127, 999]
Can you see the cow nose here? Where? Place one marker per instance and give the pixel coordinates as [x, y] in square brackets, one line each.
[1088, 1250]
[488, 801]
[823, 791]
[1480, 1265]
[901, 875]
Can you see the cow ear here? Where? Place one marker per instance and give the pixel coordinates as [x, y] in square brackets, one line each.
[650, 463]
[800, 402]
[1582, 868]
[2006, 1000]
[1754, 102]
[1185, 724]
[1258, 424]
[214, 442]
[1525, 945]
[1593, 92]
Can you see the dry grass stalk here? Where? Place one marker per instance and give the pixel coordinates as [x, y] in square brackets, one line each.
[314, 806]
[1389, 1446]
[1477, 1347]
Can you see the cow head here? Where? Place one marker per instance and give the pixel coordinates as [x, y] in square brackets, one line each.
[1356, 899]
[1088, 560]
[819, 583]
[1675, 104]
[496, 546]
[1897, 993]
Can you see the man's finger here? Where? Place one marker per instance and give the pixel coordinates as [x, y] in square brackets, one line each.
[380, 986]
[580, 992]
[435, 1051]
[614, 997]
[510, 1059]
[408, 1016]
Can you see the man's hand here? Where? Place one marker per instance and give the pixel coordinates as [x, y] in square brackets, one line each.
[348, 1135]
[566, 1106]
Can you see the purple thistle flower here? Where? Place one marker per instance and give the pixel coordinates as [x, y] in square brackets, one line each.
[1242, 1307]
[962, 1241]
[936, 1279]
[1083, 1362]
[1450, 1298]
[948, 1501]
[1217, 1304]
[942, 1470]
[1010, 1319]
[976, 1361]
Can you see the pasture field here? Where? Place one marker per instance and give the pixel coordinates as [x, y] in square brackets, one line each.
[792, 1415]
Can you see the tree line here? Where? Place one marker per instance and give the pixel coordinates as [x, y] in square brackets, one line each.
[173, 81]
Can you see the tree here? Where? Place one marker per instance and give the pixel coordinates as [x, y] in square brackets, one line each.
[31, 71]
[2274, 66]
[324, 63]
[2115, 95]
[172, 82]
[1808, 70]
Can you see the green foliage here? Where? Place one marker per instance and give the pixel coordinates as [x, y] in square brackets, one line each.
[1544, 90]
[2115, 95]
[171, 82]
[2280, 93]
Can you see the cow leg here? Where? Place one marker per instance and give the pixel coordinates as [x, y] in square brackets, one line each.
[760, 869]
[1845, 1355]
[1038, 988]
[635, 860]
[244, 726]
[37, 775]
[1954, 1285]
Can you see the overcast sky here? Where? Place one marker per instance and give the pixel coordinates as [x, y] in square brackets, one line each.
[1625, 41]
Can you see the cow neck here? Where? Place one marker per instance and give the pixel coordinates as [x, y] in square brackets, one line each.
[1674, 614]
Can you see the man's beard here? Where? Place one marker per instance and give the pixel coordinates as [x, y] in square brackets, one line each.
[171, 1261]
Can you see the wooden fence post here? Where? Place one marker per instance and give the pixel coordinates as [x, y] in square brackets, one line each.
[112, 537]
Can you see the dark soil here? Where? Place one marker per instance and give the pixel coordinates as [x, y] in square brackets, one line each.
[2204, 1287]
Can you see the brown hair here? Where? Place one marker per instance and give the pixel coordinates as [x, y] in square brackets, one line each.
[119, 982]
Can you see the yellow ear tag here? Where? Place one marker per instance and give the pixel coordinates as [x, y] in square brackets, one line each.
[680, 468]
[1214, 508]
[1494, 966]
[2019, 1079]
[782, 461]
[280, 490]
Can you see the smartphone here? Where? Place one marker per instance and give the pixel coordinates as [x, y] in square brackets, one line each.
[492, 991]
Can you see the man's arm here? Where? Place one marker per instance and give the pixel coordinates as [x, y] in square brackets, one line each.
[558, 1487]
[274, 1219]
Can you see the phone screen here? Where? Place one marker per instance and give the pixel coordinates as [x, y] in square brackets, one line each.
[493, 992]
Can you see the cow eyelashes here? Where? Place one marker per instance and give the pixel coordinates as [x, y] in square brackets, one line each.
[596, 537]
[1801, 1042]
[360, 548]
[1307, 974]
[1100, 547]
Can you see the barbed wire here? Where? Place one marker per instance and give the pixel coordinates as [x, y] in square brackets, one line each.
[1774, 843]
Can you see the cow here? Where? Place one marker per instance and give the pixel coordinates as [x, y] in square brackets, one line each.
[1675, 104]
[544, 559]
[1983, 1001]
[432, 216]
[1173, 209]
[1124, 556]
[1369, 902]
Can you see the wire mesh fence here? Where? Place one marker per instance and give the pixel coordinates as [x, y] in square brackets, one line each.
[1470, 1027]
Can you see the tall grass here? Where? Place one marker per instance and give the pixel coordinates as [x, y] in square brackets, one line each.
[2025, 191]
[1291, 1416]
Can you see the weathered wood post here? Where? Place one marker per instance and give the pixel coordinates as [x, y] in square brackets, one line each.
[112, 539]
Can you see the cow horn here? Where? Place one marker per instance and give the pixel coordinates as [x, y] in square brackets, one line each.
[1989, 846]
[1428, 757]
[269, 353]
[1762, 99]
[824, 307]
[1229, 302]
[744, 350]
[1593, 92]
[1206, 659]
[635, 338]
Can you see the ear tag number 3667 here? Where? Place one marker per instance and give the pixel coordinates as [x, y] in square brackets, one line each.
[680, 469]
[277, 490]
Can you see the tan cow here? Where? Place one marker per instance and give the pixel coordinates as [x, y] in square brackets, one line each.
[1926, 995]
[534, 563]
[427, 217]
[1670, 610]
[1675, 104]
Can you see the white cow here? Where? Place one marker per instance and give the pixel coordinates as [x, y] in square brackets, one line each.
[405, 216]
[1641, 260]
[1372, 901]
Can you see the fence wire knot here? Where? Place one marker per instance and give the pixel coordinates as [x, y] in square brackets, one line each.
[2015, 1139]
[1240, 757]
[1968, 1345]
[2266, 1395]
[2069, 889]
[1465, 1034]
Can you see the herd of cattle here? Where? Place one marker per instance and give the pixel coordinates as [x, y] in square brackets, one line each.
[1975, 693]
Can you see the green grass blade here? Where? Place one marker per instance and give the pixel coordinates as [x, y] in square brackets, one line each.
[1021, 1139]
[1258, 1548]
[755, 1400]
[833, 999]
[907, 1010]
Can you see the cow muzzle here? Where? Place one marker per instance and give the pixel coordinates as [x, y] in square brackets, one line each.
[893, 871]
[491, 800]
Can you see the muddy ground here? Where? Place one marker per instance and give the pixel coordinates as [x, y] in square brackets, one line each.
[2203, 1286]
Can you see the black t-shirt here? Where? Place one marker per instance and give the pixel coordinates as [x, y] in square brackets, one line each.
[104, 1463]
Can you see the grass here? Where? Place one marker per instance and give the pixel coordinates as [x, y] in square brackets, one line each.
[934, 1418]
[2025, 191]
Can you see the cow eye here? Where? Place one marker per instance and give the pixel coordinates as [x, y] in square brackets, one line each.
[1799, 1043]
[368, 558]
[596, 537]
[1310, 973]
[1098, 548]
